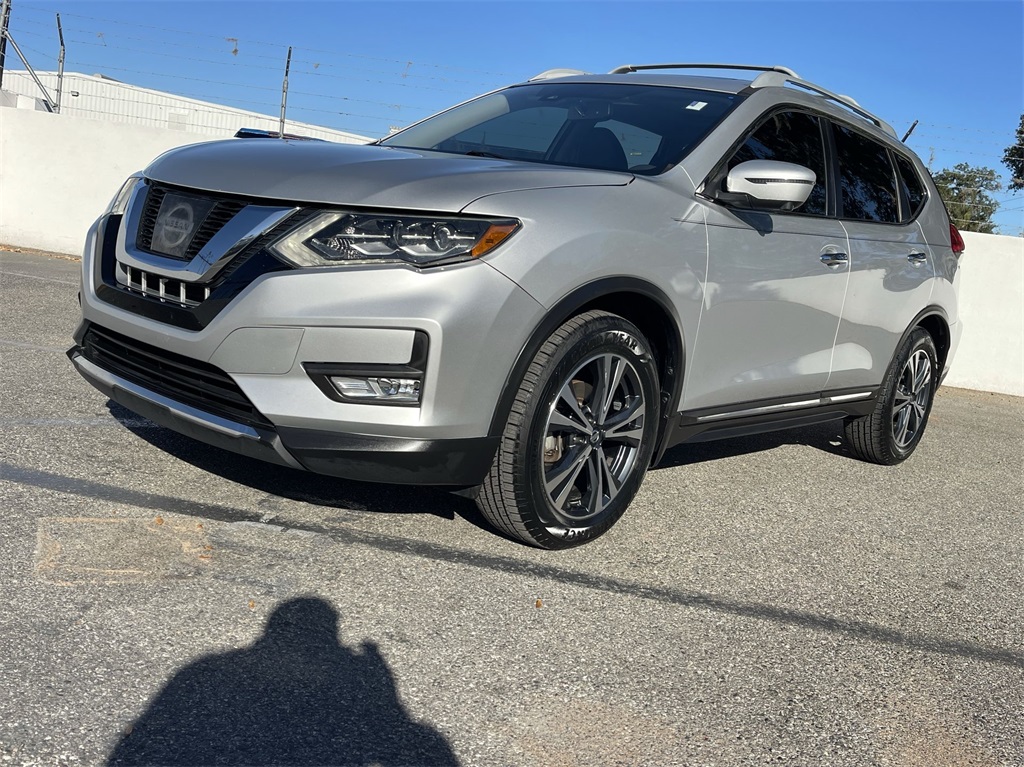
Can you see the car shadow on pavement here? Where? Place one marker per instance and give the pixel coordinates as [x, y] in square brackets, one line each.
[294, 484]
[296, 696]
[350, 495]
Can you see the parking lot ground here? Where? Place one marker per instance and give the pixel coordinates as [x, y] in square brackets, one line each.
[764, 601]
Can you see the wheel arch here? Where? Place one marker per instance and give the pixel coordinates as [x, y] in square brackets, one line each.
[640, 302]
[934, 320]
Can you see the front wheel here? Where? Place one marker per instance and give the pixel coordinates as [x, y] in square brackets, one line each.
[891, 433]
[580, 435]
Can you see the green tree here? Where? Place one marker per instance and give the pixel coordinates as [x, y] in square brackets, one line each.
[964, 188]
[1013, 158]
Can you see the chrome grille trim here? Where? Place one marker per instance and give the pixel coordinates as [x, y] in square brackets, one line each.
[165, 289]
[241, 230]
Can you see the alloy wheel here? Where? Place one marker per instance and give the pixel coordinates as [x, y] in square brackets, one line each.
[910, 405]
[592, 437]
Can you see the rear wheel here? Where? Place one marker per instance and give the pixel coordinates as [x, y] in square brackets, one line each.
[580, 435]
[891, 433]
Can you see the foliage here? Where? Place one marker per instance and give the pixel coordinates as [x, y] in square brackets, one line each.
[964, 188]
[1013, 158]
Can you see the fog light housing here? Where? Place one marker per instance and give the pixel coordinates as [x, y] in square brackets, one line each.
[370, 384]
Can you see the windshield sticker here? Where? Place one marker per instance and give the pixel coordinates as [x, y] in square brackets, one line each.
[696, 106]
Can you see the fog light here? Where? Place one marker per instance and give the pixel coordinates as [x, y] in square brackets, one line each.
[399, 385]
[377, 389]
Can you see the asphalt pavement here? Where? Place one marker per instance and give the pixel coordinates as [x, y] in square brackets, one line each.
[764, 601]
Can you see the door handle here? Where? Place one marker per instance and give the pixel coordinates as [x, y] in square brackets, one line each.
[917, 258]
[834, 260]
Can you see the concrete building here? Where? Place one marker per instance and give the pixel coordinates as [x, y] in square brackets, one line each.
[99, 97]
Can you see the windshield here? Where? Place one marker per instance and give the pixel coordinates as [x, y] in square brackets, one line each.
[644, 129]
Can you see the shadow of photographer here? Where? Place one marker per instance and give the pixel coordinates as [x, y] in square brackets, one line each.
[296, 696]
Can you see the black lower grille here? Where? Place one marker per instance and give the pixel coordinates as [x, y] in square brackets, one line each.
[184, 380]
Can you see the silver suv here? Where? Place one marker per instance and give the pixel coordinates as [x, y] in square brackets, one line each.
[536, 293]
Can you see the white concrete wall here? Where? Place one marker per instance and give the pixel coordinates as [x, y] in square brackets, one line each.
[58, 172]
[99, 98]
[991, 353]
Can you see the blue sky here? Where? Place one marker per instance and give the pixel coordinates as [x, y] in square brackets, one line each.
[957, 67]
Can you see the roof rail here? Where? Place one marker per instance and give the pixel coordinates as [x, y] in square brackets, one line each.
[777, 79]
[549, 73]
[626, 69]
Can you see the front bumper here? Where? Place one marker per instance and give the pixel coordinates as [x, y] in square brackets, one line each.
[454, 462]
[270, 330]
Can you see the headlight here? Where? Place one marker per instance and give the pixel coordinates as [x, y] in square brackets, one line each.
[343, 237]
[120, 201]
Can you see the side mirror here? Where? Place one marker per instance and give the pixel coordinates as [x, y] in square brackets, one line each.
[767, 185]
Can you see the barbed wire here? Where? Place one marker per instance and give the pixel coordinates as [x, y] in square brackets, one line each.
[960, 151]
[283, 46]
[27, 49]
[213, 98]
[956, 127]
[276, 68]
[994, 146]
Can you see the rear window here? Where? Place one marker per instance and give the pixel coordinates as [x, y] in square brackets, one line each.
[639, 128]
[867, 182]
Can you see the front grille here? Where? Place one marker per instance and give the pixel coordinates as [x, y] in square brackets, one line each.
[191, 305]
[147, 222]
[163, 288]
[184, 380]
[223, 210]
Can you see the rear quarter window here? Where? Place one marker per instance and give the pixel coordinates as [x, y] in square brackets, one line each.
[912, 187]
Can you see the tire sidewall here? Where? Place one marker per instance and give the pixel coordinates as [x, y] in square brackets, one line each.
[608, 333]
[918, 340]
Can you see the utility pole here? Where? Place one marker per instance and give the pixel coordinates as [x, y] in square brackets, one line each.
[284, 92]
[5, 18]
[60, 64]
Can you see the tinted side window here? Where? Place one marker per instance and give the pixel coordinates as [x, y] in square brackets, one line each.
[867, 183]
[913, 189]
[790, 137]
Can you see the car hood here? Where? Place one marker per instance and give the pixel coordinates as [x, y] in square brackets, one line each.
[352, 174]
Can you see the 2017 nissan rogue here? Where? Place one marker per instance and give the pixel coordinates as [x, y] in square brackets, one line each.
[535, 293]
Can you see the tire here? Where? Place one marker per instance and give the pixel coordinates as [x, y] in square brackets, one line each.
[891, 433]
[572, 457]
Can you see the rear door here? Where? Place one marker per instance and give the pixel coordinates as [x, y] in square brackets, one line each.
[891, 265]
